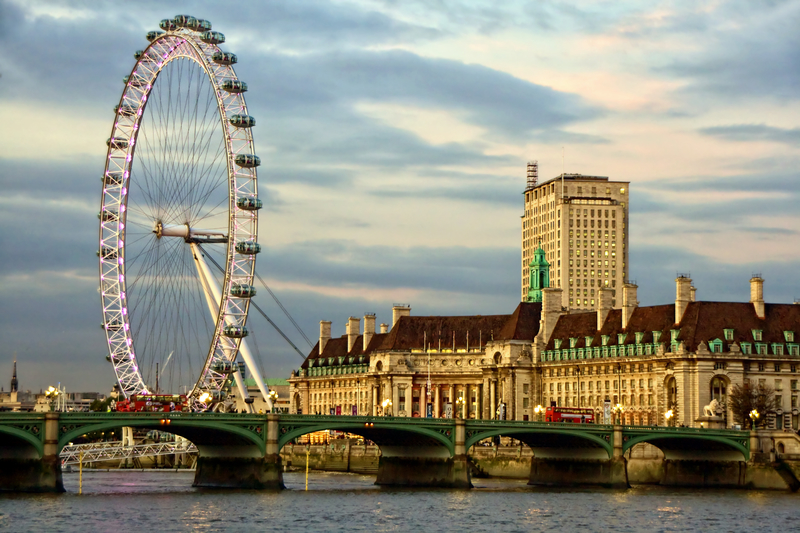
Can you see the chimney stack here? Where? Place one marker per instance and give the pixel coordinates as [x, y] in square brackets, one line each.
[603, 306]
[324, 334]
[683, 296]
[551, 311]
[399, 310]
[629, 302]
[757, 294]
[384, 328]
[693, 293]
[353, 325]
[369, 328]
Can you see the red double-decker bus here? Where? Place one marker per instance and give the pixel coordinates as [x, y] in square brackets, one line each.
[575, 415]
[153, 403]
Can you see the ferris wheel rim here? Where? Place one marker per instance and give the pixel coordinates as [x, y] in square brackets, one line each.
[166, 47]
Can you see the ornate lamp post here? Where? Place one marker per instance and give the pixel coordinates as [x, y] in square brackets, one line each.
[538, 410]
[668, 417]
[52, 395]
[386, 405]
[617, 411]
[273, 396]
[754, 414]
[460, 406]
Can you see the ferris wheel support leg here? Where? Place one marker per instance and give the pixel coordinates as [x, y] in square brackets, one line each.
[213, 295]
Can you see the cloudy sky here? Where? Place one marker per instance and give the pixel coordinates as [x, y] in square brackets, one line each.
[394, 136]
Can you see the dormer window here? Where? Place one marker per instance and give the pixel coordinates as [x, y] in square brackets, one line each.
[728, 335]
[558, 344]
[605, 339]
[789, 336]
[757, 334]
[621, 338]
[639, 337]
[573, 341]
[588, 340]
[656, 336]
[715, 346]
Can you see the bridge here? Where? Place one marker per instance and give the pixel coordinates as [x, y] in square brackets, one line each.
[242, 450]
[117, 451]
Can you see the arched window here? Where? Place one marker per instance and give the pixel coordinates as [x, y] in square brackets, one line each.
[497, 358]
[719, 390]
[672, 393]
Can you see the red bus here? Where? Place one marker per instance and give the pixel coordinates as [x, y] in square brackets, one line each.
[575, 415]
[153, 403]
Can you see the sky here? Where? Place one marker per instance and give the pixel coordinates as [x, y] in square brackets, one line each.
[394, 137]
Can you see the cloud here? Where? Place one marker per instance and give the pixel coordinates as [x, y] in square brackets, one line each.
[754, 133]
[752, 51]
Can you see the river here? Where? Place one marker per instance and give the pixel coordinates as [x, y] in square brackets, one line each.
[161, 501]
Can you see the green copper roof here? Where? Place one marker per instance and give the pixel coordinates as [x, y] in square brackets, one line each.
[539, 275]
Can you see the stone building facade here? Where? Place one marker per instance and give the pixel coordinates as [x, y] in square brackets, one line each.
[674, 356]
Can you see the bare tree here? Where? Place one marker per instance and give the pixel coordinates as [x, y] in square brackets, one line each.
[745, 398]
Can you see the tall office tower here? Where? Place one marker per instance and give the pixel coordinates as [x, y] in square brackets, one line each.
[581, 224]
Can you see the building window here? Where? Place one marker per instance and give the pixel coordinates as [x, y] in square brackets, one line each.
[728, 335]
[757, 334]
[761, 367]
[788, 336]
[777, 367]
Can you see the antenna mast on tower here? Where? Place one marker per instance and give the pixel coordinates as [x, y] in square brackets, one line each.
[533, 174]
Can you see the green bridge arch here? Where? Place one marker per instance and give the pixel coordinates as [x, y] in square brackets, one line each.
[242, 430]
[35, 441]
[442, 434]
[726, 441]
[475, 436]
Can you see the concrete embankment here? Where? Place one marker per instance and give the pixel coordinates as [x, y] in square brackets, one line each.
[646, 464]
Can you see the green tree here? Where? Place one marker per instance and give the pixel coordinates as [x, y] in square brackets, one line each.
[744, 398]
[100, 405]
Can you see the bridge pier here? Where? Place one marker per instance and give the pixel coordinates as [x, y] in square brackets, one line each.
[23, 470]
[698, 473]
[426, 466]
[595, 468]
[237, 467]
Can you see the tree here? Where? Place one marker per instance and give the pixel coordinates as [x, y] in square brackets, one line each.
[100, 405]
[744, 398]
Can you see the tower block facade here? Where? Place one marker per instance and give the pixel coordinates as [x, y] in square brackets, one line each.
[581, 224]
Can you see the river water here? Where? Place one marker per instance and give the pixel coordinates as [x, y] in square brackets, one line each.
[156, 501]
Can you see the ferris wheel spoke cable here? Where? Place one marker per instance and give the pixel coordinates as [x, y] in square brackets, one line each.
[267, 318]
[284, 309]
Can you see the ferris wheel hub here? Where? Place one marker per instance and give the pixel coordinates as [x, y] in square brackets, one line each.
[189, 234]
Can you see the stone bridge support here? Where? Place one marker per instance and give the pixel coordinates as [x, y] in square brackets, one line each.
[565, 466]
[426, 466]
[241, 467]
[24, 468]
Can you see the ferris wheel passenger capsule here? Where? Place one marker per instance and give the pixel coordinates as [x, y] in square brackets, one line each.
[234, 86]
[137, 55]
[107, 253]
[224, 367]
[167, 25]
[235, 332]
[108, 216]
[249, 203]
[200, 25]
[125, 110]
[112, 178]
[183, 21]
[242, 290]
[212, 37]
[224, 58]
[135, 81]
[153, 35]
[242, 121]
[248, 248]
[247, 160]
[116, 142]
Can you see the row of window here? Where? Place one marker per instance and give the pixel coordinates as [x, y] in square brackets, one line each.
[590, 370]
[609, 385]
[590, 223]
[764, 367]
[597, 401]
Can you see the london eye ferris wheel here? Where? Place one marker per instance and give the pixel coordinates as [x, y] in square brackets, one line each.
[179, 219]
